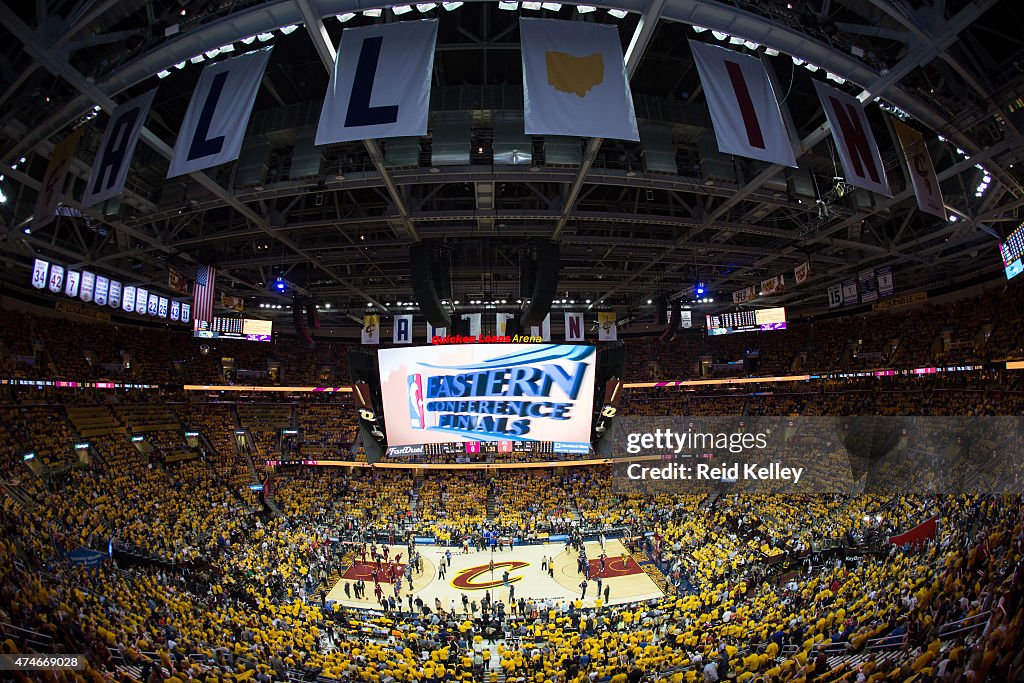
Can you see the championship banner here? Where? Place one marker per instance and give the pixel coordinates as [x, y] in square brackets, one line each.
[475, 323]
[141, 300]
[501, 323]
[435, 332]
[835, 296]
[885, 286]
[920, 169]
[128, 300]
[72, 283]
[218, 113]
[773, 285]
[742, 296]
[235, 303]
[53, 180]
[858, 150]
[685, 319]
[849, 292]
[574, 327]
[868, 286]
[606, 328]
[574, 80]
[102, 287]
[56, 279]
[40, 270]
[110, 168]
[380, 84]
[488, 392]
[114, 299]
[802, 272]
[401, 333]
[88, 286]
[176, 281]
[744, 110]
[543, 330]
[371, 329]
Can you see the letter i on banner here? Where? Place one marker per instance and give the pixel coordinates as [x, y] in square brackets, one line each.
[218, 113]
[858, 150]
[402, 333]
[543, 330]
[110, 168]
[475, 323]
[574, 327]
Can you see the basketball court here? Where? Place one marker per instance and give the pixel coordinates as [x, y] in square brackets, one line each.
[472, 575]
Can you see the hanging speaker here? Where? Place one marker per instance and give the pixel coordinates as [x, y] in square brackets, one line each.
[421, 273]
[298, 319]
[312, 316]
[546, 260]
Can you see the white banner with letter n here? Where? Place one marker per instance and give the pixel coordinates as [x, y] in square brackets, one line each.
[218, 113]
[110, 168]
[574, 327]
[744, 110]
[858, 150]
[380, 85]
[574, 80]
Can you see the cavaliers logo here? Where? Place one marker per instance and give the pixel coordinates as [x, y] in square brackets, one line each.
[466, 579]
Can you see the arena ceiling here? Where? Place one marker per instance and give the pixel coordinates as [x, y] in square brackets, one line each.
[628, 233]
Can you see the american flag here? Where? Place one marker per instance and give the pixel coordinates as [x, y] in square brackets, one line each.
[202, 293]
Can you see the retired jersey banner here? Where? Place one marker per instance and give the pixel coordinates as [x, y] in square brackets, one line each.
[56, 279]
[128, 300]
[858, 150]
[744, 110]
[380, 85]
[71, 284]
[175, 310]
[606, 328]
[868, 286]
[88, 286]
[885, 286]
[435, 332]
[921, 169]
[574, 80]
[543, 330]
[102, 288]
[40, 270]
[110, 168]
[574, 327]
[773, 285]
[401, 332]
[849, 292]
[742, 296]
[685, 319]
[475, 321]
[153, 305]
[835, 296]
[218, 113]
[141, 301]
[53, 180]
[114, 299]
[371, 329]
[802, 272]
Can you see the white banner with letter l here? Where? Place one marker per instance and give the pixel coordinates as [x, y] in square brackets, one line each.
[218, 113]
[380, 85]
[110, 168]
[574, 80]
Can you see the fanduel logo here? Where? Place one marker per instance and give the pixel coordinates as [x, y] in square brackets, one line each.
[404, 450]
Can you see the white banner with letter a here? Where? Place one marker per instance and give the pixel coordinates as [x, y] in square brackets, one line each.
[380, 85]
[218, 113]
[574, 80]
[402, 332]
[110, 168]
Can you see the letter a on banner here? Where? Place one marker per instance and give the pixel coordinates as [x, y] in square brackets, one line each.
[380, 85]
[858, 150]
[921, 170]
[110, 169]
[573, 327]
[218, 114]
[744, 111]
[402, 333]
[53, 180]
[574, 80]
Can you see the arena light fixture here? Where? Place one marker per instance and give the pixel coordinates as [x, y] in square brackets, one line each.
[181, 65]
[346, 16]
[163, 74]
[373, 12]
[750, 45]
[248, 40]
[509, 6]
[585, 9]
[811, 67]
[720, 35]
[798, 61]
[618, 13]
[424, 7]
[289, 28]
[534, 6]
[399, 10]
[735, 40]
[230, 47]
[210, 54]
[771, 52]
[551, 6]
[698, 29]
[452, 6]
[197, 59]
[264, 37]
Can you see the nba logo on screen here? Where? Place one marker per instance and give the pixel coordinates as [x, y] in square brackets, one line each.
[417, 419]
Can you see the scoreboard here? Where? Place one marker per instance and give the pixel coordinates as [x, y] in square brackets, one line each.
[248, 329]
[758, 320]
[1012, 251]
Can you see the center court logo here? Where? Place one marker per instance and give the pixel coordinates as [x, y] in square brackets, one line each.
[466, 579]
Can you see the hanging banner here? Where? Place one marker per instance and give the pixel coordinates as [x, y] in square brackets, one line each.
[574, 327]
[744, 110]
[435, 332]
[868, 286]
[141, 301]
[40, 270]
[858, 150]
[85, 292]
[110, 168]
[218, 113]
[153, 305]
[114, 300]
[401, 333]
[606, 328]
[574, 80]
[773, 285]
[162, 307]
[128, 300]
[501, 323]
[741, 296]
[72, 283]
[102, 287]
[685, 319]
[380, 84]
[802, 272]
[543, 330]
[475, 323]
[885, 286]
[56, 279]
[371, 329]
[234, 303]
[175, 310]
[176, 281]
[920, 169]
[835, 296]
[186, 311]
[53, 180]
[849, 292]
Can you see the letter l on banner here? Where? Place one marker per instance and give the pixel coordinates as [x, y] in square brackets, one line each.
[110, 168]
[218, 113]
[858, 150]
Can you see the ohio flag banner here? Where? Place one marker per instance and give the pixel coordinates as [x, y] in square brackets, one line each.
[380, 86]
[744, 111]
[574, 80]
[371, 329]
[858, 150]
[402, 332]
[218, 113]
[110, 168]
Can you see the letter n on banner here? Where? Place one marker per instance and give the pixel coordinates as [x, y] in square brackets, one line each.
[858, 150]
[218, 113]
[110, 168]
[573, 327]
[380, 85]
[402, 333]
[744, 110]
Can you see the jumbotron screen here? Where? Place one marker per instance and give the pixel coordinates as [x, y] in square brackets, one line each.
[489, 392]
[758, 320]
[248, 329]
[1012, 251]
